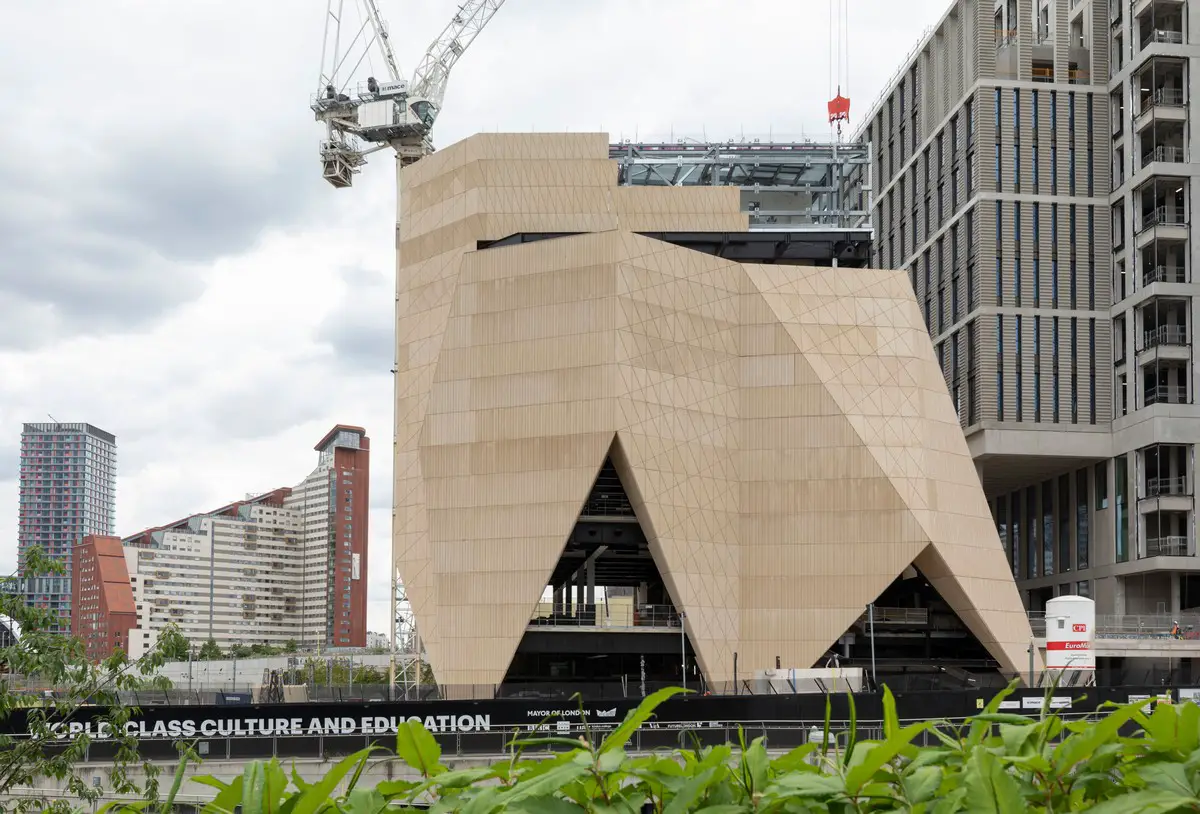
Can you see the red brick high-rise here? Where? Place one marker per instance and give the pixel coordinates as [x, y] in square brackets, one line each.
[102, 601]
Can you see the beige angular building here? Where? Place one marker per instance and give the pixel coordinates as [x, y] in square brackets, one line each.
[590, 406]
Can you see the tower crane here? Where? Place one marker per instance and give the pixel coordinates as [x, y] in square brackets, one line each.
[388, 111]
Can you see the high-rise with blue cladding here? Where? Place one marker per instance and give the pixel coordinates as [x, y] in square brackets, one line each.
[67, 491]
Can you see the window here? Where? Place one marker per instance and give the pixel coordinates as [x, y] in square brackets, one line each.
[1090, 151]
[1014, 525]
[1014, 556]
[1053, 142]
[1054, 370]
[1091, 225]
[1047, 528]
[1071, 271]
[999, 367]
[1016, 140]
[1091, 371]
[1053, 255]
[1036, 138]
[972, 395]
[1017, 254]
[1074, 371]
[1037, 274]
[1031, 532]
[1037, 368]
[1121, 474]
[1101, 485]
[1017, 369]
[999, 253]
[1064, 523]
[999, 182]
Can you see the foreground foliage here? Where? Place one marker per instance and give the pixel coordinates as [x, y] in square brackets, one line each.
[994, 762]
[42, 657]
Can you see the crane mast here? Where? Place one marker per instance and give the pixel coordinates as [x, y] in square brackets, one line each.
[392, 113]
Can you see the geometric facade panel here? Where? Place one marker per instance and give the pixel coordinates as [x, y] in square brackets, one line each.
[783, 432]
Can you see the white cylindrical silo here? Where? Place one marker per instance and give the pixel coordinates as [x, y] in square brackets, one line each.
[1070, 631]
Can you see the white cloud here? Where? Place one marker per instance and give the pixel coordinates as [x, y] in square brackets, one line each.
[176, 272]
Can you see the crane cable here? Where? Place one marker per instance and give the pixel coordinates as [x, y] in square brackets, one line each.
[839, 64]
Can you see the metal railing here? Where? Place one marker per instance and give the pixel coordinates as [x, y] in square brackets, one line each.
[1164, 335]
[1165, 274]
[612, 617]
[1166, 394]
[1170, 546]
[1165, 36]
[896, 616]
[1167, 97]
[1160, 216]
[1132, 626]
[1162, 487]
[1164, 153]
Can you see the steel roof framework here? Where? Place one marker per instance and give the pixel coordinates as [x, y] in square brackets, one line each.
[829, 182]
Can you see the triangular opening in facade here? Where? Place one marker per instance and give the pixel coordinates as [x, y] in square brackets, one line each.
[606, 616]
[920, 642]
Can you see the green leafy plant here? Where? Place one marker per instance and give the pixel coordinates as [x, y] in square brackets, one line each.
[52, 681]
[1123, 759]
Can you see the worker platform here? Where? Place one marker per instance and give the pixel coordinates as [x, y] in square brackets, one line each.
[786, 186]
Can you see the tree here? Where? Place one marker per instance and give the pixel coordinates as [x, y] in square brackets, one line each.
[173, 644]
[209, 651]
[239, 651]
[79, 687]
[291, 646]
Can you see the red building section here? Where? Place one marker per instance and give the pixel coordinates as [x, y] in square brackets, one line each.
[350, 499]
[101, 596]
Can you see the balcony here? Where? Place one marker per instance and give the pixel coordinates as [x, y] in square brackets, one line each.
[1166, 394]
[1162, 216]
[1170, 546]
[1164, 274]
[1164, 335]
[1166, 486]
[1165, 153]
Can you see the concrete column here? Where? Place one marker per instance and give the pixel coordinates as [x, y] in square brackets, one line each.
[591, 582]
[1175, 598]
[1119, 596]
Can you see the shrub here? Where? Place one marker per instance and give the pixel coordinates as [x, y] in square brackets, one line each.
[993, 762]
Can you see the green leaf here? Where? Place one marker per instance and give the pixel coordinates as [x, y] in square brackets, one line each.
[990, 788]
[315, 796]
[547, 805]
[543, 784]
[229, 797]
[419, 749]
[876, 755]
[692, 790]
[1169, 776]
[1017, 738]
[891, 721]
[922, 783]
[636, 717]
[755, 766]
[1148, 801]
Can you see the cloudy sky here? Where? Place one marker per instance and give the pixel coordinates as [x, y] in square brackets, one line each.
[174, 270]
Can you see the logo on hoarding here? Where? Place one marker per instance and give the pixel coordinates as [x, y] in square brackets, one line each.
[1079, 627]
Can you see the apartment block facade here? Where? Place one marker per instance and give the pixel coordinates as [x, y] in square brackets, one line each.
[285, 566]
[1033, 171]
[67, 491]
